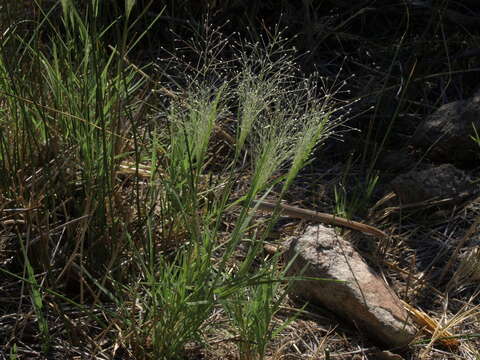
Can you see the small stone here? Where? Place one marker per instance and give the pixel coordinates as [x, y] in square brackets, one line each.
[437, 182]
[447, 133]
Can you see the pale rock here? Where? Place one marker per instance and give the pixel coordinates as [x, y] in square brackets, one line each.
[358, 296]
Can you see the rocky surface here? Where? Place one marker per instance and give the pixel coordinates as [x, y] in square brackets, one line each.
[447, 134]
[436, 182]
[356, 293]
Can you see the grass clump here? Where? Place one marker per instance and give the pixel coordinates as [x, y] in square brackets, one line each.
[122, 212]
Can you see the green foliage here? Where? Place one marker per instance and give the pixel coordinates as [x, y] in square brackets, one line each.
[353, 199]
[252, 309]
[72, 123]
